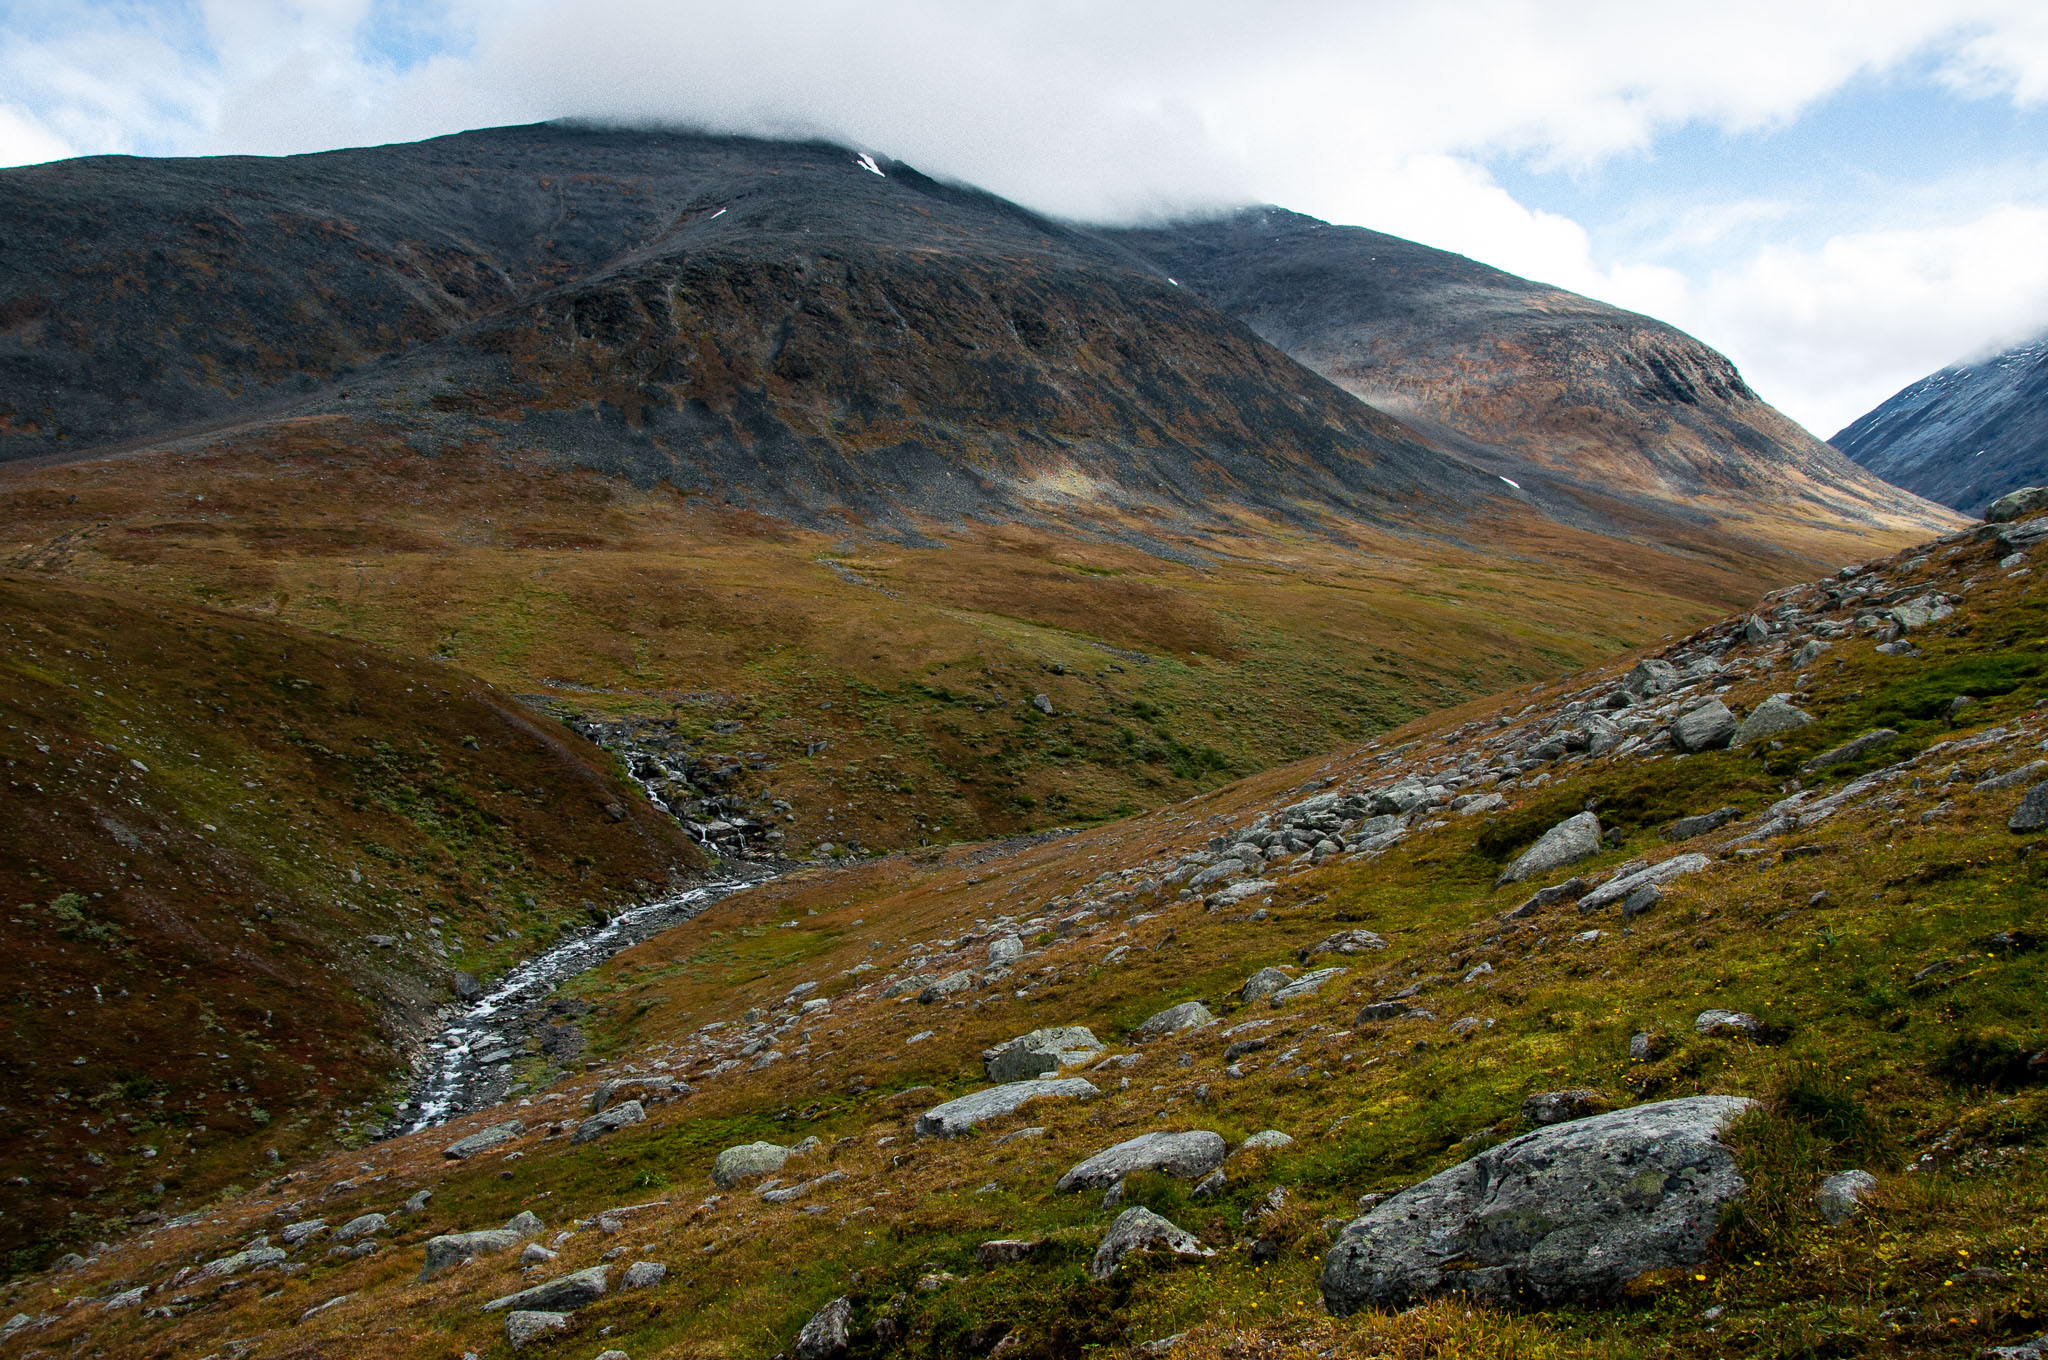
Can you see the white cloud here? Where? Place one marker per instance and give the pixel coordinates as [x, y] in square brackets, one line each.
[24, 140]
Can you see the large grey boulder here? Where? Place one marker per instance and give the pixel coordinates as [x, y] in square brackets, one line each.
[1263, 983]
[1004, 950]
[1172, 1020]
[454, 1248]
[522, 1327]
[1851, 750]
[562, 1295]
[1570, 841]
[736, 1164]
[1840, 1197]
[2028, 500]
[1706, 727]
[956, 1117]
[1657, 875]
[1651, 676]
[643, 1089]
[363, 1225]
[1186, 1155]
[1039, 1053]
[824, 1337]
[483, 1140]
[2032, 813]
[1343, 942]
[1308, 984]
[1572, 1211]
[617, 1117]
[1142, 1230]
[1773, 717]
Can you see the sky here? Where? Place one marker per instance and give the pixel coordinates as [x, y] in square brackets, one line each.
[1842, 197]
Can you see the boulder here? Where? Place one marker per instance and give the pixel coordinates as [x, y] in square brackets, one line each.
[1706, 727]
[1773, 717]
[1840, 1197]
[1619, 888]
[1685, 828]
[1186, 1155]
[824, 1337]
[1572, 1211]
[483, 1140]
[304, 1229]
[1308, 984]
[1728, 1024]
[1345, 942]
[566, 1294]
[1556, 1107]
[1172, 1020]
[945, 987]
[1040, 1053]
[643, 1275]
[1570, 841]
[1004, 950]
[2032, 813]
[617, 1117]
[956, 1117]
[1263, 983]
[522, 1327]
[1651, 676]
[1141, 1230]
[736, 1164]
[364, 1225]
[453, 1248]
[2028, 500]
[643, 1089]
[1851, 750]
[1264, 1140]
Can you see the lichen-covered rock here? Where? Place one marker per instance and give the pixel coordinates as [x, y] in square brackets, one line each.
[1706, 727]
[1570, 841]
[1773, 717]
[1658, 874]
[1555, 1107]
[1142, 1230]
[2028, 500]
[363, 1225]
[2032, 813]
[1194, 1153]
[563, 1295]
[1728, 1024]
[1039, 1053]
[956, 1117]
[1572, 1211]
[617, 1117]
[450, 1248]
[1345, 942]
[524, 1326]
[643, 1275]
[824, 1336]
[736, 1164]
[1264, 1141]
[1187, 1015]
[483, 1140]
[1263, 983]
[1840, 1197]
[1873, 740]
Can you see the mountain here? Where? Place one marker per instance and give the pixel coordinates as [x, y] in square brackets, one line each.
[1964, 436]
[1596, 407]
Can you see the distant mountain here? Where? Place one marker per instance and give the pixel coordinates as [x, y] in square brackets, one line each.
[1964, 436]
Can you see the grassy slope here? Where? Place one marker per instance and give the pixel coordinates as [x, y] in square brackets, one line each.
[203, 820]
[1866, 1067]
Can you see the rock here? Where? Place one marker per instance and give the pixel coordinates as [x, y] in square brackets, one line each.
[643, 1275]
[1706, 727]
[523, 1327]
[1572, 1211]
[1043, 703]
[1568, 891]
[417, 1204]
[1650, 676]
[1840, 1197]
[1141, 1230]
[1265, 1206]
[1215, 1183]
[1685, 828]
[1555, 1107]
[1004, 950]
[1040, 1053]
[2037, 1349]
[1263, 983]
[613, 1355]
[466, 986]
[643, 1089]
[1004, 1251]
[1773, 717]
[1264, 1140]
[2028, 500]
[1851, 750]
[483, 1140]
[617, 1117]
[306, 1228]
[1239, 892]
[1728, 1024]
[1345, 942]
[1187, 1155]
[452, 1248]
[824, 1336]
[1570, 841]
[956, 1117]
[1810, 653]
[1618, 888]
[1640, 901]
[1755, 630]
[1308, 984]
[789, 1193]
[945, 987]
[2032, 813]
[127, 1298]
[2029, 773]
[364, 1225]
[562, 1295]
[736, 1164]
[536, 1255]
[1172, 1020]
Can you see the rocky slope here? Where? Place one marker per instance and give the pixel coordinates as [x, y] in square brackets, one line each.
[1180, 1083]
[1964, 436]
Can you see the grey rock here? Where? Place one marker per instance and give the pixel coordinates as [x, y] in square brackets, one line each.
[451, 1248]
[1851, 750]
[1572, 1211]
[1263, 1141]
[365, 1225]
[566, 1294]
[295, 1233]
[1773, 717]
[1568, 891]
[1265, 1206]
[788, 1193]
[1618, 888]
[617, 1117]
[1651, 676]
[1755, 630]
[643, 1089]
[127, 1298]
[613, 1355]
[525, 1326]
[2037, 1349]
[536, 1255]
[466, 985]
[736, 1164]
[2032, 813]
[1728, 1024]
[1215, 1183]
[824, 1336]
[1685, 828]
[1263, 983]
[1043, 703]
[1040, 1053]
[946, 986]
[1005, 950]
[1004, 1251]
[1810, 653]
[483, 1140]
[643, 1275]
[1707, 727]
[417, 1203]
[1840, 1197]
[1345, 942]
[2028, 500]
[903, 986]
[1640, 901]
[2029, 773]
[1187, 1155]
[956, 1117]
[1308, 984]
[1556, 1107]
[1141, 1230]
[1570, 841]
[1172, 1020]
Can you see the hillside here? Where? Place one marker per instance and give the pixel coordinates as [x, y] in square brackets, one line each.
[1964, 436]
[242, 863]
[1838, 916]
[1587, 405]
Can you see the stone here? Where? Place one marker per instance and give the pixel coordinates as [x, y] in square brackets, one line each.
[1042, 1052]
[1851, 750]
[1556, 1107]
[613, 1355]
[1773, 717]
[1840, 1197]
[1308, 984]
[525, 1326]
[1650, 676]
[643, 1089]
[945, 987]
[1705, 727]
[466, 986]
[1004, 1251]
[2029, 773]
[417, 1203]
[2028, 500]
[617, 1117]
[2032, 813]
[1810, 653]
[1215, 1183]
[824, 1337]
[1345, 942]
[452, 1248]
[1618, 888]
[483, 1140]
[1756, 631]
[1004, 950]
[1572, 1211]
[1188, 1155]
[643, 1275]
[1640, 901]
[536, 1255]
[1262, 984]
[736, 1164]
[563, 1295]
[1141, 1230]
[1570, 841]
[1043, 703]
[1728, 1024]
[2037, 1349]
[303, 1230]
[1570, 890]
[956, 1117]
[364, 1225]
[1685, 828]
[1264, 1141]
[1172, 1020]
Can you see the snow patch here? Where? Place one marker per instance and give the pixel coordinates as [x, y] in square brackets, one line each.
[867, 162]
[1510, 481]
[715, 216]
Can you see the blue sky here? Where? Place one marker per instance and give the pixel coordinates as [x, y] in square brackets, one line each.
[1841, 196]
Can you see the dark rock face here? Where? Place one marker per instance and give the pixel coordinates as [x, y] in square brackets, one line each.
[1964, 436]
